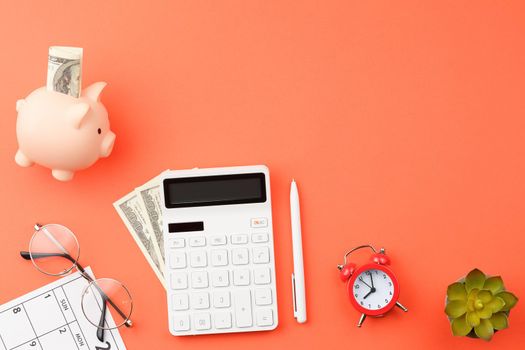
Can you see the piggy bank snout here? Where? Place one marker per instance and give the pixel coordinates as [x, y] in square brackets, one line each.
[107, 144]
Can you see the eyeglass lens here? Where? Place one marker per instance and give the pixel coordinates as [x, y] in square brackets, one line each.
[54, 249]
[106, 295]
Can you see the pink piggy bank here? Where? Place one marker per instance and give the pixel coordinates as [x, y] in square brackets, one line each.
[62, 132]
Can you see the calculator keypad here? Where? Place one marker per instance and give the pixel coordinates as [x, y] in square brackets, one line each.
[221, 283]
[240, 256]
[223, 320]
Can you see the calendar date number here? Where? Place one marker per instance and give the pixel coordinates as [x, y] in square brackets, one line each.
[106, 347]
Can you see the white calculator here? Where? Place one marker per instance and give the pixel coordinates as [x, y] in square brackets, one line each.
[220, 267]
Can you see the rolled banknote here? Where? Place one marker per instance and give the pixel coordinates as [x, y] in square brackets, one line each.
[131, 213]
[64, 70]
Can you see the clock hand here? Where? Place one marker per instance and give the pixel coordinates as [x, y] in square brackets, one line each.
[369, 286]
[372, 281]
[371, 291]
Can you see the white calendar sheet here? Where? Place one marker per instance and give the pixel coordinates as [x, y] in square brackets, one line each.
[51, 318]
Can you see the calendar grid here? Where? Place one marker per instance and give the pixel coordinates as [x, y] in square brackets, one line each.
[50, 318]
[32, 327]
[73, 312]
[41, 335]
[65, 318]
[19, 345]
[2, 340]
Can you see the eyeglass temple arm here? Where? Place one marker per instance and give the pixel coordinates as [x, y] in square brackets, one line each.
[100, 329]
[27, 256]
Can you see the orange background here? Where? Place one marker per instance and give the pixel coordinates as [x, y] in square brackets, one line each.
[402, 121]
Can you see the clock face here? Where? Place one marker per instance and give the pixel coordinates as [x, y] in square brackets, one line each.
[374, 289]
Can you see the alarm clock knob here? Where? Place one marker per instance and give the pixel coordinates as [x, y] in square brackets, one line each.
[346, 271]
[380, 258]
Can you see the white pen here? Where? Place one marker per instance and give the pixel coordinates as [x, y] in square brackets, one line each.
[298, 287]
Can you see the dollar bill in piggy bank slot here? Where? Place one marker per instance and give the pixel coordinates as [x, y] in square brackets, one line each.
[61, 132]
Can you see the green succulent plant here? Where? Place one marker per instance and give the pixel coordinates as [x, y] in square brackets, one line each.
[479, 304]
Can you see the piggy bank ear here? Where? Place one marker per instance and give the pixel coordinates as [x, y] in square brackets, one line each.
[93, 91]
[20, 104]
[76, 114]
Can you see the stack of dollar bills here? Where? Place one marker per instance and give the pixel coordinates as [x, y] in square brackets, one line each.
[140, 210]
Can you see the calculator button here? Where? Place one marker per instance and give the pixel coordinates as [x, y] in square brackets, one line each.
[181, 323]
[223, 320]
[198, 259]
[219, 257]
[178, 260]
[197, 241]
[178, 243]
[239, 239]
[221, 299]
[200, 301]
[179, 280]
[240, 256]
[264, 317]
[242, 302]
[218, 240]
[261, 255]
[259, 222]
[241, 277]
[199, 279]
[219, 278]
[180, 302]
[263, 296]
[261, 276]
[260, 238]
[202, 321]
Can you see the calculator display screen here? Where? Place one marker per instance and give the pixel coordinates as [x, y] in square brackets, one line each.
[214, 190]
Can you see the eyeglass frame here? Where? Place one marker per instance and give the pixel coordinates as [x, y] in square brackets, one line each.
[105, 299]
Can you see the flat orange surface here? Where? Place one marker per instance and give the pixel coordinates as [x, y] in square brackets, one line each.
[403, 123]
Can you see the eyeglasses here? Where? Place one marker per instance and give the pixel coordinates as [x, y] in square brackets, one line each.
[54, 251]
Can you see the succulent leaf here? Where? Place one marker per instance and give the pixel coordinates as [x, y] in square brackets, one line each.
[496, 304]
[499, 321]
[473, 319]
[484, 295]
[456, 291]
[484, 330]
[470, 305]
[494, 284]
[456, 308]
[471, 299]
[484, 313]
[509, 299]
[475, 279]
[460, 327]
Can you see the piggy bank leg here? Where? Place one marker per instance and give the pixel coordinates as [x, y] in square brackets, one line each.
[22, 160]
[62, 175]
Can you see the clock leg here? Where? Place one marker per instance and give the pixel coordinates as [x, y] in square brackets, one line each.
[361, 320]
[398, 304]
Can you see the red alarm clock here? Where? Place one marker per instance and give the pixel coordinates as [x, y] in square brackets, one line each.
[373, 288]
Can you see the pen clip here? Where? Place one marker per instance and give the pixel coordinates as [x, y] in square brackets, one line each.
[293, 295]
